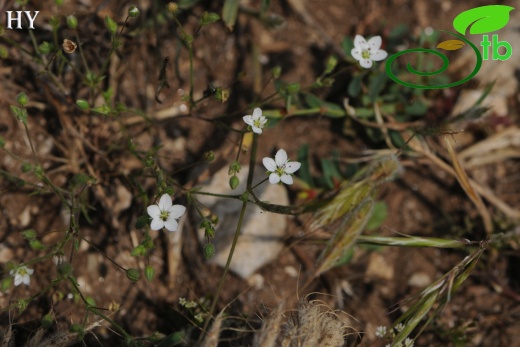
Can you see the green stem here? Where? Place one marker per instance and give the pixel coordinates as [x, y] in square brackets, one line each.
[229, 196]
[252, 160]
[226, 269]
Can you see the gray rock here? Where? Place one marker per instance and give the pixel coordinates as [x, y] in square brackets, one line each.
[261, 238]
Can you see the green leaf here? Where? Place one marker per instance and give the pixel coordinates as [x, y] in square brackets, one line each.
[313, 101]
[376, 85]
[229, 13]
[347, 45]
[172, 339]
[187, 4]
[330, 172]
[379, 214]
[354, 87]
[483, 19]
[142, 221]
[19, 113]
[29, 234]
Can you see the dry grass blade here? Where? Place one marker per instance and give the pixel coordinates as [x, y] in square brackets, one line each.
[268, 335]
[211, 339]
[353, 193]
[8, 336]
[411, 241]
[345, 237]
[421, 147]
[463, 179]
[437, 295]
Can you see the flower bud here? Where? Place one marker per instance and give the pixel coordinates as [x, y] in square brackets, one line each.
[110, 24]
[209, 233]
[233, 182]
[172, 7]
[221, 95]
[209, 250]
[209, 18]
[150, 161]
[209, 156]
[133, 11]
[133, 275]
[22, 99]
[234, 168]
[331, 64]
[47, 320]
[149, 273]
[72, 22]
[44, 47]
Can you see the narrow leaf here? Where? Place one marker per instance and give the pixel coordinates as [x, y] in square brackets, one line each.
[229, 13]
[463, 179]
[345, 237]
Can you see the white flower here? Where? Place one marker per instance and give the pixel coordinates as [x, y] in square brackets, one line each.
[399, 327]
[281, 168]
[22, 275]
[381, 331]
[408, 342]
[164, 214]
[256, 121]
[366, 52]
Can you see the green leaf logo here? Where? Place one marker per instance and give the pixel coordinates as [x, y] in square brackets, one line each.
[483, 19]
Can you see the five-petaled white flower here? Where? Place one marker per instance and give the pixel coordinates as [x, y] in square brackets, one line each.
[366, 52]
[165, 214]
[281, 168]
[22, 274]
[256, 121]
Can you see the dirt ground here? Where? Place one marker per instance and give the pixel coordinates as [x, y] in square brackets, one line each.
[424, 200]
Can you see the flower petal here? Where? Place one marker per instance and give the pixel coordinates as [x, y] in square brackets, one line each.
[356, 53]
[257, 113]
[29, 271]
[165, 202]
[379, 55]
[360, 42]
[153, 211]
[280, 158]
[292, 167]
[176, 211]
[157, 224]
[269, 164]
[248, 120]
[26, 280]
[366, 63]
[17, 280]
[287, 179]
[257, 130]
[374, 43]
[274, 178]
[171, 224]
